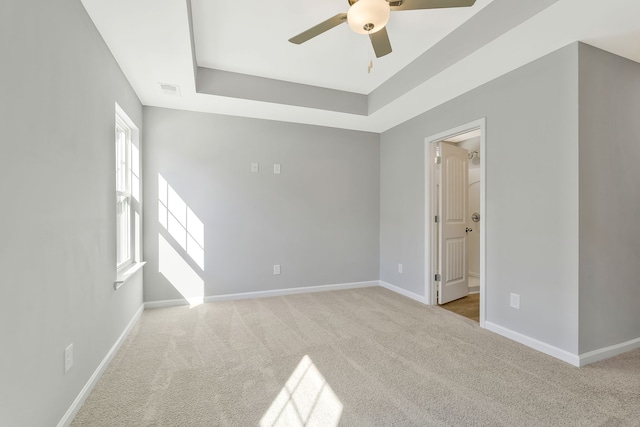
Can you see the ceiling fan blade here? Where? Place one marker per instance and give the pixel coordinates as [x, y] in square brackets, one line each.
[428, 4]
[319, 29]
[380, 42]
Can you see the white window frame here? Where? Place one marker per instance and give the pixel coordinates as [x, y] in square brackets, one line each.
[131, 238]
[123, 195]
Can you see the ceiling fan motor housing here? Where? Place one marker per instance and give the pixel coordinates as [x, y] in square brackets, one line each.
[368, 16]
[391, 3]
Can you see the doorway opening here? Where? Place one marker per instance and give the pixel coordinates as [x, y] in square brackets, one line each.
[455, 220]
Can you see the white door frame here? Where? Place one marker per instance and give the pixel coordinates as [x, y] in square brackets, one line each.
[429, 204]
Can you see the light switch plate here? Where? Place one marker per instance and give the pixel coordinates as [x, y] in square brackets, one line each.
[68, 358]
[276, 168]
[515, 301]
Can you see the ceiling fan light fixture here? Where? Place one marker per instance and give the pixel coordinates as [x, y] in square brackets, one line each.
[368, 16]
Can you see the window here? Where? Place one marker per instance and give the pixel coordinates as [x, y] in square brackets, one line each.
[127, 191]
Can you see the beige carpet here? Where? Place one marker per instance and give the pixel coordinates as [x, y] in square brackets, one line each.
[364, 357]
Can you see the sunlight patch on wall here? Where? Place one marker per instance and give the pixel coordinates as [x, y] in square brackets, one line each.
[179, 273]
[305, 400]
[180, 221]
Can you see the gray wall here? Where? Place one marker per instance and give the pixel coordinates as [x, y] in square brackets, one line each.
[609, 199]
[57, 255]
[532, 196]
[244, 86]
[318, 219]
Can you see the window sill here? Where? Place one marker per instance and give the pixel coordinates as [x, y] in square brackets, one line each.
[126, 273]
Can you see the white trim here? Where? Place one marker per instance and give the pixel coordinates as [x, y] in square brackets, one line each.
[430, 287]
[68, 417]
[264, 294]
[482, 123]
[165, 303]
[291, 291]
[430, 225]
[122, 119]
[127, 272]
[533, 343]
[607, 352]
[473, 274]
[122, 115]
[404, 292]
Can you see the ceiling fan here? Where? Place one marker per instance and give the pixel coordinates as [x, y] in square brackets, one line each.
[371, 16]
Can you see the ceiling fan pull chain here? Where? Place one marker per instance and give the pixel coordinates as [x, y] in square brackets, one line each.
[370, 66]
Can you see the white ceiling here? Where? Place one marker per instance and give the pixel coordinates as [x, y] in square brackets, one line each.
[151, 40]
[230, 39]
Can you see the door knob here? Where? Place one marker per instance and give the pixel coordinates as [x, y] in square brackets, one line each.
[467, 230]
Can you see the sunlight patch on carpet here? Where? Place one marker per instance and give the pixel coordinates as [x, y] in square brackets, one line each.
[305, 400]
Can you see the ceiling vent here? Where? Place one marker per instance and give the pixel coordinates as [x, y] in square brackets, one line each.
[168, 89]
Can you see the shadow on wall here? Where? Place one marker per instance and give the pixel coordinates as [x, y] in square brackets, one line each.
[180, 244]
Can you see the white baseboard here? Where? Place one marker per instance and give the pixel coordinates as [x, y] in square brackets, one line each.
[291, 291]
[265, 294]
[607, 352]
[545, 348]
[404, 292]
[165, 303]
[86, 390]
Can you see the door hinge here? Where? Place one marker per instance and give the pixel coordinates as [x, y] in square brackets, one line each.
[438, 278]
[436, 219]
[438, 159]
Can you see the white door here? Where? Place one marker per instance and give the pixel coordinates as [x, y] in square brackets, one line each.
[452, 224]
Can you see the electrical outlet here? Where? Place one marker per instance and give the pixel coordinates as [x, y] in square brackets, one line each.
[276, 168]
[515, 301]
[254, 167]
[276, 269]
[400, 268]
[68, 358]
